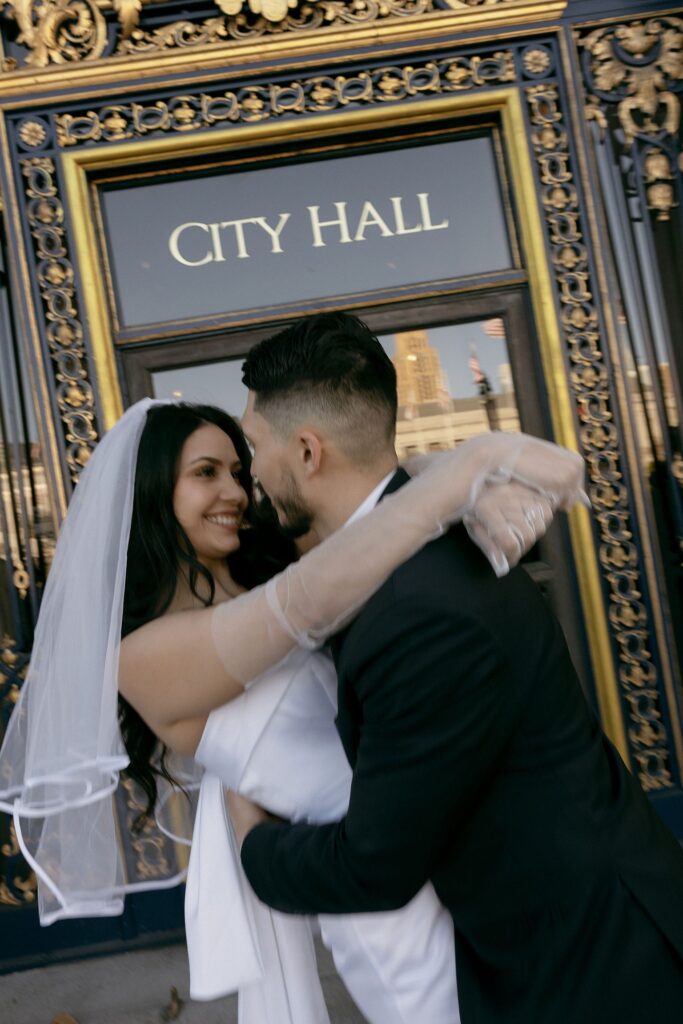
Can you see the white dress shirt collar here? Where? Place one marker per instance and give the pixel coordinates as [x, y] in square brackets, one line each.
[371, 500]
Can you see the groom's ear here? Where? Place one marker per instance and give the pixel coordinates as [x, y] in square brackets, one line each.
[310, 452]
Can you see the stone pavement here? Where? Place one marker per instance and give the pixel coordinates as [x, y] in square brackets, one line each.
[135, 988]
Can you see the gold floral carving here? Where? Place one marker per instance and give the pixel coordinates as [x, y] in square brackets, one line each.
[59, 31]
[618, 554]
[261, 103]
[27, 888]
[128, 12]
[536, 61]
[658, 175]
[8, 656]
[64, 332]
[11, 848]
[32, 133]
[150, 846]
[272, 10]
[23, 888]
[594, 112]
[64, 31]
[255, 18]
[637, 66]
[640, 60]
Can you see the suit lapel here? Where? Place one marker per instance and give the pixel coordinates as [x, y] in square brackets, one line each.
[399, 478]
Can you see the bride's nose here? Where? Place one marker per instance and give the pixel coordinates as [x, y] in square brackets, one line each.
[232, 490]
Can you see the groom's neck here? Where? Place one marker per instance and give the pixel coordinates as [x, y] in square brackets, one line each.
[347, 492]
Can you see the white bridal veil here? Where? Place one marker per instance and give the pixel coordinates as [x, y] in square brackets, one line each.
[60, 794]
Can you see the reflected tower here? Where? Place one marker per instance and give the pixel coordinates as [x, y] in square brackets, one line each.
[419, 373]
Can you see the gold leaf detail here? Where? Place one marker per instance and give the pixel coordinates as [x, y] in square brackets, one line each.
[660, 197]
[536, 61]
[129, 15]
[229, 7]
[59, 31]
[32, 133]
[620, 560]
[640, 85]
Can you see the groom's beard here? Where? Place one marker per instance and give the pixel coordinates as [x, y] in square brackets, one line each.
[294, 515]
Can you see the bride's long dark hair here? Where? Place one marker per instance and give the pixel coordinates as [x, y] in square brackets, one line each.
[159, 550]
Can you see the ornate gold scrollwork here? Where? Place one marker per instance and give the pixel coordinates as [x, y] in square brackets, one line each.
[55, 276]
[638, 59]
[10, 848]
[8, 656]
[149, 845]
[18, 885]
[261, 103]
[658, 177]
[617, 553]
[248, 19]
[128, 12]
[63, 31]
[59, 31]
[636, 66]
[27, 888]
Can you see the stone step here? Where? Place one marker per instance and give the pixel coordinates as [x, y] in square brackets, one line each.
[135, 988]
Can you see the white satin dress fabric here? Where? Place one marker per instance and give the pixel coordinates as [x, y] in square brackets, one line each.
[278, 745]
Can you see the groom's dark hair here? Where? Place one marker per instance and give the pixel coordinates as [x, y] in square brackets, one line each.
[330, 369]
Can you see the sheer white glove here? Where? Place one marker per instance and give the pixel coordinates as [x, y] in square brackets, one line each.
[517, 503]
[506, 520]
[317, 596]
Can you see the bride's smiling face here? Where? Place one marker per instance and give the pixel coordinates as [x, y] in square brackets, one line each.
[208, 499]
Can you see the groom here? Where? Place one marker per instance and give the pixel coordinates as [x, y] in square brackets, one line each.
[476, 761]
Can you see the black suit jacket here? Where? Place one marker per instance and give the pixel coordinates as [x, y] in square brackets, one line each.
[478, 764]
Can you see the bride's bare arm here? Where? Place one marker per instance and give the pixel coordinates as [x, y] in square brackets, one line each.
[182, 666]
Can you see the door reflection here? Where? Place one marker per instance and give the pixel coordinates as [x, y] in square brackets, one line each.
[454, 381]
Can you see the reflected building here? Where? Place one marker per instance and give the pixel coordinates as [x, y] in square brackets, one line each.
[419, 374]
[429, 418]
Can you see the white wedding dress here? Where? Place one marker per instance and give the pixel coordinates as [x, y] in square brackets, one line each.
[278, 745]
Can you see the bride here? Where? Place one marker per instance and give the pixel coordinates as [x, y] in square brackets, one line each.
[164, 546]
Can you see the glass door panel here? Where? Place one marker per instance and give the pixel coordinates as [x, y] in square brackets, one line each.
[454, 382]
[216, 383]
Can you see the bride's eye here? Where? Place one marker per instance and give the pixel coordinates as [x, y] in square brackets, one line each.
[206, 471]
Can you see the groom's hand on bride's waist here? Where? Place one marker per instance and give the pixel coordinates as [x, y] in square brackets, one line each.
[245, 815]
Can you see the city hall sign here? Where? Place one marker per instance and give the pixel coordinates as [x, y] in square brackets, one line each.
[192, 247]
